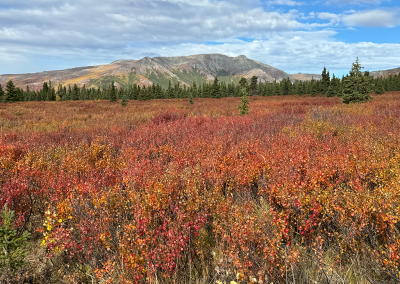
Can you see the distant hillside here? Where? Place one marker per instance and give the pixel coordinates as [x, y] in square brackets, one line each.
[159, 70]
[305, 77]
[385, 73]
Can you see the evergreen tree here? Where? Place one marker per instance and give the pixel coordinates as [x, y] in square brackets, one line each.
[194, 90]
[159, 92]
[253, 86]
[277, 89]
[285, 86]
[113, 93]
[83, 94]
[124, 100]
[215, 90]
[243, 84]
[300, 89]
[314, 87]
[191, 99]
[13, 248]
[170, 91]
[2, 94]
[244, 103]
[142, 94]
[379, 89]
[75, 93]
[357, 87]
[11, 92]
[325, 82]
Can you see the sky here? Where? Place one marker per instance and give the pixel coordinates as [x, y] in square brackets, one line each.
[291, 35]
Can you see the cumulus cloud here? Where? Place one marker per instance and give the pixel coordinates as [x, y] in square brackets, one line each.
[137, 21]
[285, 2]
[356, 2]
[373, 18]
[329, 16]
[42, 32]
[301, 51]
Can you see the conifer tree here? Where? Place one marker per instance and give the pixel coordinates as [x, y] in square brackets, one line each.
[75, 93]
[253, 86]
[285, 86]
[191, 98]
[215, 90]
[194, 90]
[325, 82]
[2, 94]
[124, 100]
[113, 93]
[11, 92]
[357, 87]
[13, 248]
[142, 94]
[314, 87]
[379, 89]
[244, 103]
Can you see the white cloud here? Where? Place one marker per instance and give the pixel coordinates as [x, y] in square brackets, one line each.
[329, 16]
[285, 2]
[373, 18]
[88, 31]
[356, 2]
[121, 21]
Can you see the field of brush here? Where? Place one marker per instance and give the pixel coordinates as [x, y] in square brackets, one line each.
[301, 190]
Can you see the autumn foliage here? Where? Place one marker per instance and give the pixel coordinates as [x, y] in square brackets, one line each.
[302, 189]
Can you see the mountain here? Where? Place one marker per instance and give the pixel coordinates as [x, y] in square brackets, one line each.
[385, 73]
[159, 70]
[305, 77]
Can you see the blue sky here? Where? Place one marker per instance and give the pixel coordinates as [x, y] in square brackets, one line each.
[292, 35]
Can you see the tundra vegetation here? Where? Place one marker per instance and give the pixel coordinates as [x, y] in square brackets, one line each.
[301, 189]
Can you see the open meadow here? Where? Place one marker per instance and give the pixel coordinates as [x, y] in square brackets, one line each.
[300, 190]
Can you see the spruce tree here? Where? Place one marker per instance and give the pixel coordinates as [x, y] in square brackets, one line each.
[244, 103]
[113, 93]
[2, 94]
[191, 98]
[194, 90]
[124, 100]
[13, 248]
[285, 86]
[379, 89]
[215, 90]
[325, 82]
[75, 93]
[253, 86]
[170, 92]
[314, 87]
[11, 92]
[357, 87]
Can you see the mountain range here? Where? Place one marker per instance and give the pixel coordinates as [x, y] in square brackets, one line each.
[160, 70]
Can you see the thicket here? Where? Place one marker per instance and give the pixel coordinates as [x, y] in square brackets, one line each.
[301, 190]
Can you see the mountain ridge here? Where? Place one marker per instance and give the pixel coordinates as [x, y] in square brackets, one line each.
[184, 70]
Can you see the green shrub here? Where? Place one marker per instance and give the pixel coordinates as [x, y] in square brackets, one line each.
[12, 247]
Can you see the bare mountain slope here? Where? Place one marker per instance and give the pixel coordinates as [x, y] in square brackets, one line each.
[160, 70]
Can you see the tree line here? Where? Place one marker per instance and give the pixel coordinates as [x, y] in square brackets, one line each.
[355, 87]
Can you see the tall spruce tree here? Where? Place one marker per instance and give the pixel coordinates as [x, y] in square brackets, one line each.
[253, 86]
[379, 89]
[325, 82]
[2, 94]
[215, 90]
[244, 103]
[11, 92]
[113, 93]
[357, 87]
[314, 87]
